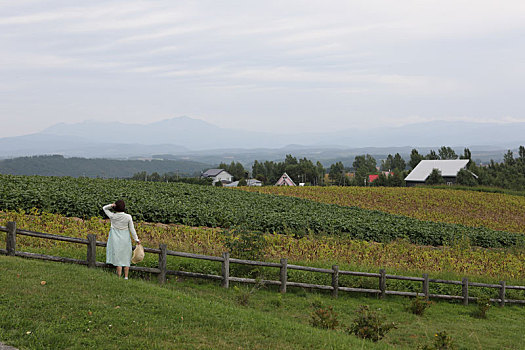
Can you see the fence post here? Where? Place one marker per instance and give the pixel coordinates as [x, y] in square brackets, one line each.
[162, 263]
[92, 250]
[465, 290]
[283, 275]
[225, 270]
[335, 280]
[10, 241]
[502, 294]
[425, 286]
[382, 283]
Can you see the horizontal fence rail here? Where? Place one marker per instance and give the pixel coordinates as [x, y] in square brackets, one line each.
[283, 265]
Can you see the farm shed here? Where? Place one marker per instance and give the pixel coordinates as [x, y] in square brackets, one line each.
[449, 170]
[253, 182]
[249, 182]
[218, 175]
[285, 180]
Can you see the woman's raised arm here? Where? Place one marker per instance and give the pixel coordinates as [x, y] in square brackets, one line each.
[106, 210]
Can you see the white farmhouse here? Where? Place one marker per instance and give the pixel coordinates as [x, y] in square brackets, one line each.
[449, 169]
[218, 175]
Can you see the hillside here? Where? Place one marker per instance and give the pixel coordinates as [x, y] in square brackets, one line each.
[79, 308]
[475, 209]
[222, 207]
[56, 165]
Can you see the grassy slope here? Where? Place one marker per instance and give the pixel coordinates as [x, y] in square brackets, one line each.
[492, 210]
[79, 308]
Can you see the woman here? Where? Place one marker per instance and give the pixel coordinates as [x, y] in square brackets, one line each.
[118, 251]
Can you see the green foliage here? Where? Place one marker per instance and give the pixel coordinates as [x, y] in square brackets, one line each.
[171, 177]
[484, 305]
[194, 205]
[442, 341]
[235, 169]
[370, 325]
[337, 174]
[418, 305]
[57, 165]
[302, 170]
[325, 318]
[466, 178]
[393, 163]
[244, 244]
[447, 153]
[435, 178]
[415, 158]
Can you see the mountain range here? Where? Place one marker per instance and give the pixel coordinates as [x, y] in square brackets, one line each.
[191, 138]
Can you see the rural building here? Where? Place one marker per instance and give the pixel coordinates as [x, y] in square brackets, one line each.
[218, 175]
[372, 178]
[285, 180]
[249, 182]
[253, 182]
[449, 169]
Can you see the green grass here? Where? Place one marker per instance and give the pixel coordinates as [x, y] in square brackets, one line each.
[91, 308]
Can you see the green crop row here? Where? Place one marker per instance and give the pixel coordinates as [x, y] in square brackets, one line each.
[195, 205]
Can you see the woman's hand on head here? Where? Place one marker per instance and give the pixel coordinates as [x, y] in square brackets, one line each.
[138, 241]
[113, 205]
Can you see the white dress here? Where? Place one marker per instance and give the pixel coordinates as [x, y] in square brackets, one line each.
[118, 250]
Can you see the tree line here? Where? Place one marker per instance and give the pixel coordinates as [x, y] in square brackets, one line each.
[509, 174]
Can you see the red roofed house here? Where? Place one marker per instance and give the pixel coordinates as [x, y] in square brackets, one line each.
[372, 178]
[285, 180]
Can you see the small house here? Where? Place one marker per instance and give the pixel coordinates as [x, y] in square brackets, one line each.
[218, 175]
[285, 180]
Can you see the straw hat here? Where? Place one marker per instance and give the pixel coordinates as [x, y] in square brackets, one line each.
[138, 254]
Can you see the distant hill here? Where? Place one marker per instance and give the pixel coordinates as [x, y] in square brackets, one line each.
[57, 165]
[193, 138]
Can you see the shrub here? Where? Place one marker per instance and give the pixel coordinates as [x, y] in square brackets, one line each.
[442, 341]
[244, 244]
[418, 305]
[244, 294]
[325, 318]
[483, 306]
[370, 325]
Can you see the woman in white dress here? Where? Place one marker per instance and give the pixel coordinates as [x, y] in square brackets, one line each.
[118, 250]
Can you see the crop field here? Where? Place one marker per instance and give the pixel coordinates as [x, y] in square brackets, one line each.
[321, 250]
[475, 209]
[195, 205]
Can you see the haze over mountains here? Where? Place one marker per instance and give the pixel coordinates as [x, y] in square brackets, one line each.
[184, 136]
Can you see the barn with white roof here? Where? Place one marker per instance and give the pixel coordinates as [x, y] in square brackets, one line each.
[449, 169]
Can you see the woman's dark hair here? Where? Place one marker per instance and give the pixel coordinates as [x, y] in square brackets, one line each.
[120, 206]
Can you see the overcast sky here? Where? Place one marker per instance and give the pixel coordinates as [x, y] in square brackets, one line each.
[261, 65]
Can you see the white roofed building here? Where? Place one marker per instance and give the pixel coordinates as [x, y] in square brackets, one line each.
[218, 175]
[449, 169]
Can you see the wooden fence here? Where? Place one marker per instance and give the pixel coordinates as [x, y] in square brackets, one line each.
[283, 265]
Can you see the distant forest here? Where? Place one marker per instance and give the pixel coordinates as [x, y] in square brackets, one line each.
[57, 165]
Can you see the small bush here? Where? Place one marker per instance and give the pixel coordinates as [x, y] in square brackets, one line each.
[418, 305]
[483, 306]
[369, 324]
[244, 295]
[325, 318]
[442, 341]
[245, 244]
